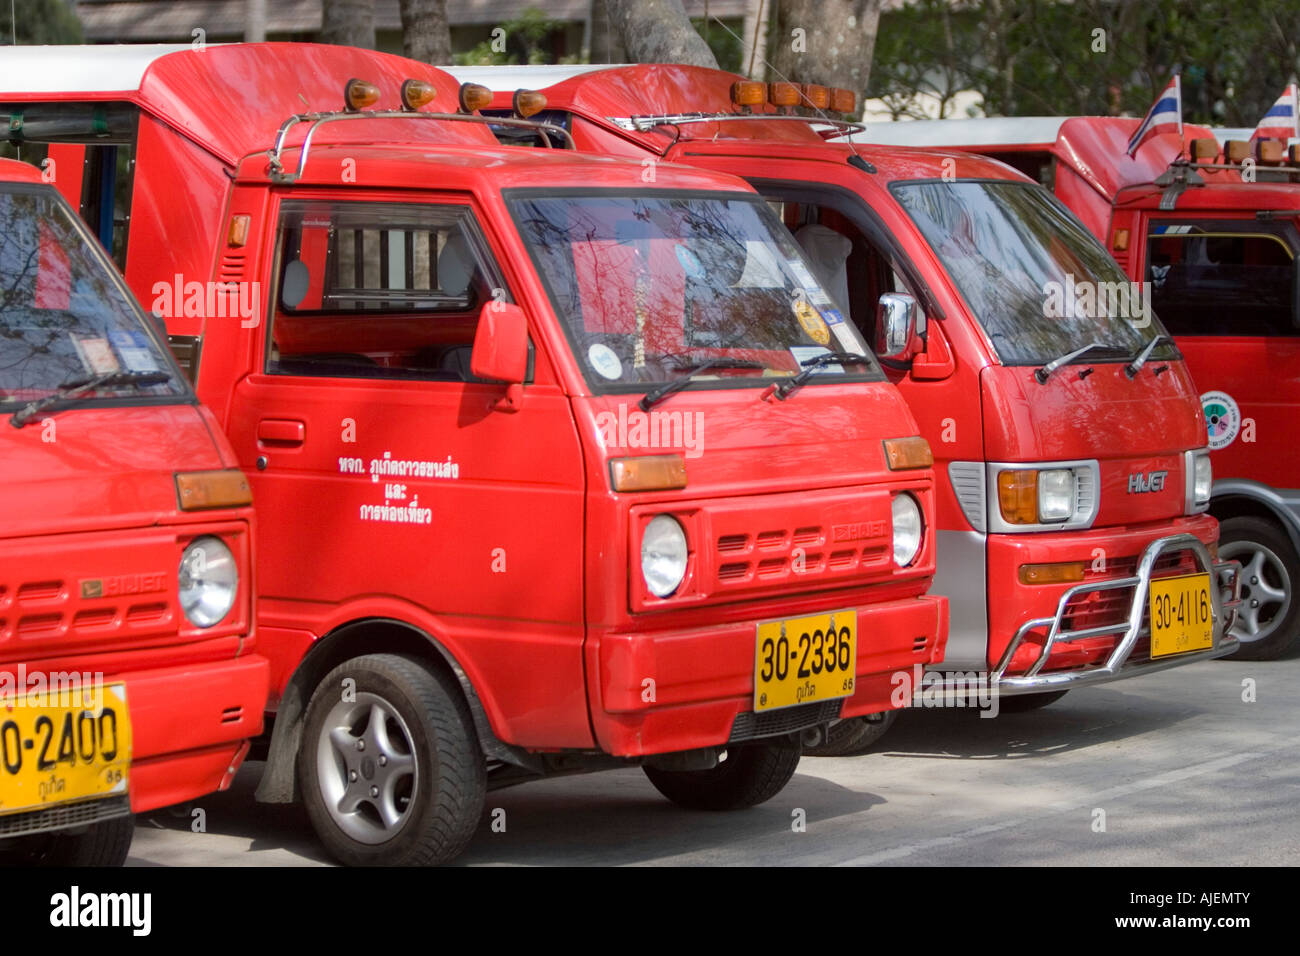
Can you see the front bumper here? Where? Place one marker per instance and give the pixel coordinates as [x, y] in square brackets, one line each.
[1225, 595]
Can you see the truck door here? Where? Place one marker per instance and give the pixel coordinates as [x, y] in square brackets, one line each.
[390, 483]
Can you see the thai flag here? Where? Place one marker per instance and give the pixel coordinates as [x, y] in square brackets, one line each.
[1280, 121]
[1166, 114]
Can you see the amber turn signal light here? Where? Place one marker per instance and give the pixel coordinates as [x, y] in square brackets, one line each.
[200, 490]
[474, 97]
[417, 93]
[648, 473]
[902, 453]
[1062, 573]
[748, 92]
[843, 101]
[528, 103]
[818, 97]
[358, 94]
[1018, 496]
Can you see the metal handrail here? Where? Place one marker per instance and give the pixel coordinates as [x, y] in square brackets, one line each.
[643, 124]
[317, 120]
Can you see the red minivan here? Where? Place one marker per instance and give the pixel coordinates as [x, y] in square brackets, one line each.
[559, 466]
[127, 678]
[1073, 470]
[1211, 229]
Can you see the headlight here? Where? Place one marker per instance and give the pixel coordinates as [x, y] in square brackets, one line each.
[208, 581]
[907, 529]
[1055, 494]
[663, 555]
[1201, 480]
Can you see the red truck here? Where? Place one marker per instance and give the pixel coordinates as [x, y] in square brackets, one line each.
[559, 467]
[1073, 473]
[128, 680]
[1211, 230]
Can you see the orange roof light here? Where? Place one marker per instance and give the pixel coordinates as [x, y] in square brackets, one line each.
[843, 101]
[1270, 152]
[818, 97]
[474, 97]
[783, 94]
[528, 103]
[748, 93]
[1235, 150]
[358, 94]
[417, 93]
[1205, 150]
[1293, 153]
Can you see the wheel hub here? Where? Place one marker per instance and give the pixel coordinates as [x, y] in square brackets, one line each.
[1265, 590]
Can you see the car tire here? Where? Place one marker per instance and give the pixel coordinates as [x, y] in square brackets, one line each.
[1024, 703]
[1270, 569]
[854, 736]
[390, 768]
[751, 774]
[101, 844]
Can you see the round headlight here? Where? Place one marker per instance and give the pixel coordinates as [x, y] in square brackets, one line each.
[663, 555]
[208, 581]
[907, 529]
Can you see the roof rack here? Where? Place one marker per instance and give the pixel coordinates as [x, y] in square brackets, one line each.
[643, 124]
[280, 176]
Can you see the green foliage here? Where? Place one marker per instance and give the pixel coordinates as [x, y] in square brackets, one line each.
[39, 22]
[727, 48]
[525, 42]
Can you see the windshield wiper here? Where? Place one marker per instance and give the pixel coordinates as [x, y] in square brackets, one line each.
[813, 364]
[657, 395]
[1041, 375]
[76, 388]
[1135, 366]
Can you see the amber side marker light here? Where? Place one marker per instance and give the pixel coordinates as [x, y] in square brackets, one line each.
[473, 97]
[843, 101]
[1120, 241]
[200, 490]
[902, 453]
[237, 235]
[1064, 572]
[818, 97]
[417, 93]
[748, 93]
[527, 103]
[648, 473]
[1018, 496]
[358, 94]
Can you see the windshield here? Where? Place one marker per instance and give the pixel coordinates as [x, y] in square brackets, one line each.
[651, 285]
[64, 316]
[1035, 279]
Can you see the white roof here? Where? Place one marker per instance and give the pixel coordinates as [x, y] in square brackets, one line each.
[993, 131]
[79, 69]
[500, 78]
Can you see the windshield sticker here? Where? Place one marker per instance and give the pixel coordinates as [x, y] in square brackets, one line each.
[844, 335]
[832, 316]
[812, 322]
[605, 360]
[691, 264]
[134, 350]
[1222, 418]
[805, 353]
[95, 354]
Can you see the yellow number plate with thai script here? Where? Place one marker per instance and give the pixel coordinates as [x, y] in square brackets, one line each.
[1182, 615]
[61, 747]
[804, 660]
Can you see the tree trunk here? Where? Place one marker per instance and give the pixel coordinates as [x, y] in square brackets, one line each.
[348, 23]
[426, 34]
[658, 31]
[255, 21]
[825, 41]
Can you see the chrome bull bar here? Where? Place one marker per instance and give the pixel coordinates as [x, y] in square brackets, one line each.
[1224, 577]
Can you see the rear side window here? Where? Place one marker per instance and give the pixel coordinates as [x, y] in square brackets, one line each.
[1222, 279]
[379, 290]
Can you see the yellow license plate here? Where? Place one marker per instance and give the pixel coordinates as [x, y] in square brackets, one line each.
[1182, 615]
[62, 747]
[804, 660]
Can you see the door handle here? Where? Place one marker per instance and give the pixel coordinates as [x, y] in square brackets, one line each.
[281, 431]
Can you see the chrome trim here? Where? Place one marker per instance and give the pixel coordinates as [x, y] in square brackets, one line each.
[961, 575]
[1225, 573]
[1190, 506]
[1087, 495]
[643, 124]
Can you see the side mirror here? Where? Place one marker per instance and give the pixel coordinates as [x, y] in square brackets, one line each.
[895, 325]
[501, 344]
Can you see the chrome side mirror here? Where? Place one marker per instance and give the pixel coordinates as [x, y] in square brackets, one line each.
[895, 324]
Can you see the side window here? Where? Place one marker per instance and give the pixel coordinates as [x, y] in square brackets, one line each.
[1221, 279]
[379, 290]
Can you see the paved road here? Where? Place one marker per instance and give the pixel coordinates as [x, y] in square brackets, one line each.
[1185, 771]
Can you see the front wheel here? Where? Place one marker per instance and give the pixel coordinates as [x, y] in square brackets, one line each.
[1269, 617]
[390, 769]
[854, 736]
[100, 844]
[751, 774]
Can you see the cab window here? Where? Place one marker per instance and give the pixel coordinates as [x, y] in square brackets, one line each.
[379, 290]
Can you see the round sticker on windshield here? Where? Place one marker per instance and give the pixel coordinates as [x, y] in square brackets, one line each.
[1222, 418]
[605, 361]
[691, 264]
[812, 322]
